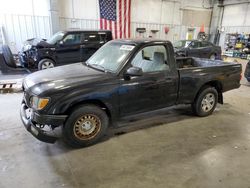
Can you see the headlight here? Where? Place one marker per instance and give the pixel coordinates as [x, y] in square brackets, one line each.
[38, 103]
[26, 47]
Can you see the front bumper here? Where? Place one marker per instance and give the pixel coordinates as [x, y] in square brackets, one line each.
[247, 72]
[35, 118]
[27, 59]
[23, 59]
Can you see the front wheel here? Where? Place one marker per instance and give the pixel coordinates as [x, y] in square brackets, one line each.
[205, 102]
[45, 64]
[85, 126]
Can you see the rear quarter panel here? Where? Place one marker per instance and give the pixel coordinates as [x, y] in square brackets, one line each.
[192, 79]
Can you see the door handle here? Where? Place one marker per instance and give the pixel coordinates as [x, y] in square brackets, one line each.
[153, 86]
[169, 79]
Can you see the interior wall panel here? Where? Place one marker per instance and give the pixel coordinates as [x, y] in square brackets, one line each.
[234, 15]
[236, 19]
[84, 14]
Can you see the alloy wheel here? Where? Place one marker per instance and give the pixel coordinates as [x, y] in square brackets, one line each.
[208, 102]
[212, 57]
[47, 65]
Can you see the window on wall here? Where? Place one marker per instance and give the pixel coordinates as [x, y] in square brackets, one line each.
[151, 59]
[196, 18]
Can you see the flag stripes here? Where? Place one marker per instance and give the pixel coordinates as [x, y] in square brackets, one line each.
[115, 16]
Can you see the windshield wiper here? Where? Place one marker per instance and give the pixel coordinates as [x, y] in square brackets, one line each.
[99, 66]
[85, 63]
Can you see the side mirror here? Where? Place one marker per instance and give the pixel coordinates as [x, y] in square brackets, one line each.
[61, 43]
[134, 71]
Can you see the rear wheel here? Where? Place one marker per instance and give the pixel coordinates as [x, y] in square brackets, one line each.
[45, 64]
[85, 126]
[205, 102]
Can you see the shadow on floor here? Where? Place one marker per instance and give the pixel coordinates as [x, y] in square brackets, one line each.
[149, 120]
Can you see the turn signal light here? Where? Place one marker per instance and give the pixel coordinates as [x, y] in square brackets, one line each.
[38, 103]
[42, 103]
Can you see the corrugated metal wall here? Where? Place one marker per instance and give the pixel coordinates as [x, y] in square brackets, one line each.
[69, 23]
[176, 32]
[236, 19]
[18, 28]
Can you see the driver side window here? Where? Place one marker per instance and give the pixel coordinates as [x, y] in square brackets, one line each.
[72, 39]
[195, 44]
[151, 59]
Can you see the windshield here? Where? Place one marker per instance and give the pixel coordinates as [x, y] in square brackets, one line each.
[56, 37]
[110, 57]
[182, 44]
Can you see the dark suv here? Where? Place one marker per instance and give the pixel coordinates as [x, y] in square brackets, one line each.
[62, 48]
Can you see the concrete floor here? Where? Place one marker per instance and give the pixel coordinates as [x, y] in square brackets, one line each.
[171, 149]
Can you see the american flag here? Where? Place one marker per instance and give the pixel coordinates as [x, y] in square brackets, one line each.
[115, 16]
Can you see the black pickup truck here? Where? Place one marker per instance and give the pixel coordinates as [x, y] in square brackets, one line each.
[124, 77]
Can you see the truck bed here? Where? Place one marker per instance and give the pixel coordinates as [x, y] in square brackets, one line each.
[190, 62]
[195, 72]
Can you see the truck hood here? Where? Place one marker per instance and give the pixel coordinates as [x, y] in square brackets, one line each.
[61, 78]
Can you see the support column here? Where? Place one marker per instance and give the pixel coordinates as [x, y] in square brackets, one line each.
[216, 21]
[54, 16]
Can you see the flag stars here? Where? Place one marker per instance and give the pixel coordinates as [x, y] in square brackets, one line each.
[108, 9]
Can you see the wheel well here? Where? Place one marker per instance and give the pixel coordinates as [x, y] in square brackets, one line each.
[98, 103]
[217, 85]
[213, 53]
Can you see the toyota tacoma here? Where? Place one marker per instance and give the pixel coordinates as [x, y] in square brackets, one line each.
[124, 77]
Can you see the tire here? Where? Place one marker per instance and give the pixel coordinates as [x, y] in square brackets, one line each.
[85, 126]
[212, 56]
[8, 56]
[45, 64]
[205, 102]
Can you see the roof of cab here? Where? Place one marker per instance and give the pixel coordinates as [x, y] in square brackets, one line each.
[137, 41]
[86, 30]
